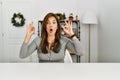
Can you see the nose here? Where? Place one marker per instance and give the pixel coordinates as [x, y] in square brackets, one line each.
[50, 24]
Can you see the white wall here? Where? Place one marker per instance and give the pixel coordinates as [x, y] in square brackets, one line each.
[109, 31]
[1, 46]
[14, 36]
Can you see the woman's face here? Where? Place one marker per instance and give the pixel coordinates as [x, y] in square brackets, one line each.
[51, 26]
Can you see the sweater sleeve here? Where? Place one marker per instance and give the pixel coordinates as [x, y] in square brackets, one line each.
[27, 49]
[74, 46]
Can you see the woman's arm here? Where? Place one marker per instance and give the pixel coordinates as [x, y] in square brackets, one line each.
[74, 44]
[30, 31]
[26, 49]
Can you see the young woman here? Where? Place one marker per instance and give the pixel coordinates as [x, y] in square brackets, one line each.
[51, 45]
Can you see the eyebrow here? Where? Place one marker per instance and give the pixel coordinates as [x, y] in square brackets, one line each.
[52, 20]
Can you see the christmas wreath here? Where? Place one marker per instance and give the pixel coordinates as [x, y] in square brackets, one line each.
[18, 20]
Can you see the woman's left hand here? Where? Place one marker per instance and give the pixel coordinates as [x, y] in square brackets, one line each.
[67, 29]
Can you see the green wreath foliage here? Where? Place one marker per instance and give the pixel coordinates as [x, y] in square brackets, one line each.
[21, 20]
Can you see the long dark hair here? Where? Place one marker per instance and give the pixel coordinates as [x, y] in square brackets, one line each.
[44, 43]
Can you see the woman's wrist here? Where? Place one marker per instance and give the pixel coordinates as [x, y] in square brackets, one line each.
[73, 36]
[27, 38]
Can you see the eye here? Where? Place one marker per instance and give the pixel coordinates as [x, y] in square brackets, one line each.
[54, 22]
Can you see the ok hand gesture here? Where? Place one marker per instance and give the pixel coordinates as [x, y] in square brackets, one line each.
[67, 29]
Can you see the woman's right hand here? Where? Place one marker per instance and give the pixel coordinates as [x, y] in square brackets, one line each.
[30, 32]
[30, 29]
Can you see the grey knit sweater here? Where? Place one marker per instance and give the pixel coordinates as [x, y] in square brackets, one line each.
[73, 45]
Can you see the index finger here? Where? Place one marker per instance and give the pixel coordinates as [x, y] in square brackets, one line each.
[66, 22]
[31, 24]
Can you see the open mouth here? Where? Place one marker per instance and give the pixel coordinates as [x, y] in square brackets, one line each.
[51, 30]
